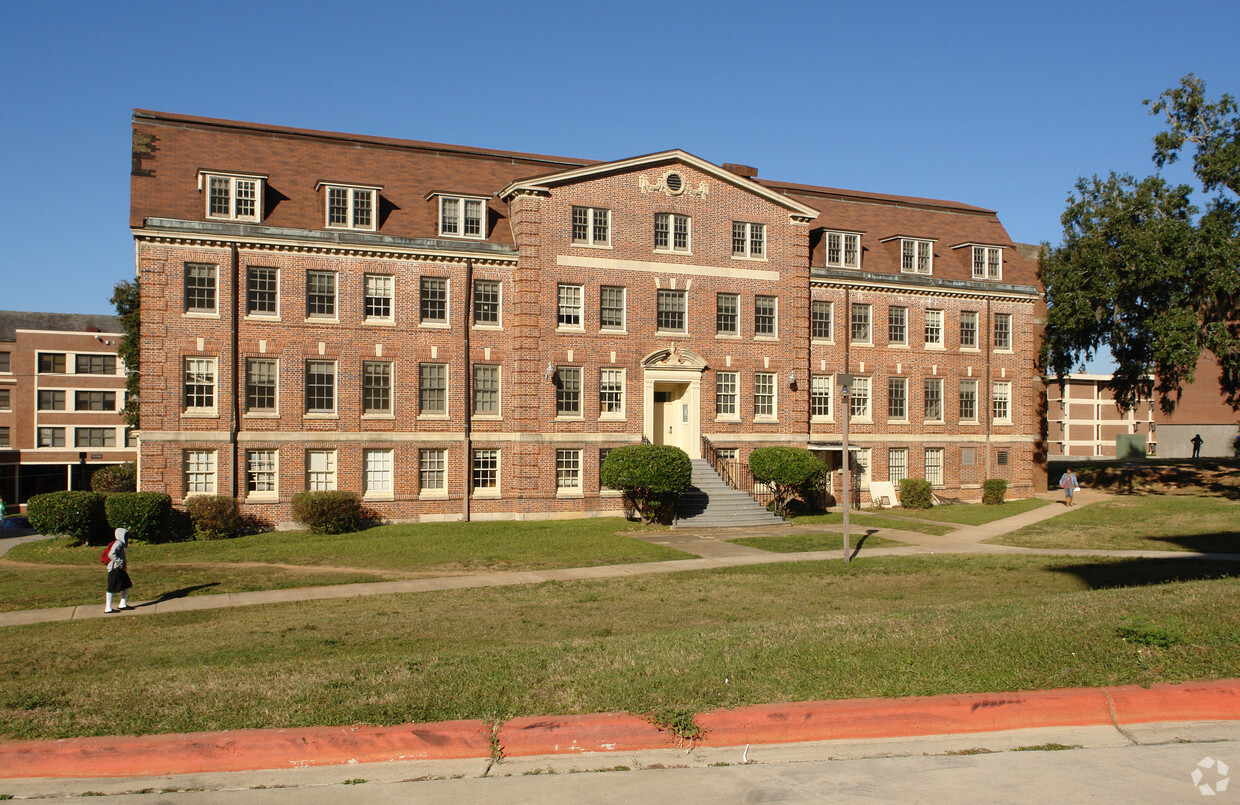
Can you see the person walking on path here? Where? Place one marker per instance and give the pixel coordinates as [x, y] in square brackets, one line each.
[118, 576]
[1069, 484]
[1197, 441]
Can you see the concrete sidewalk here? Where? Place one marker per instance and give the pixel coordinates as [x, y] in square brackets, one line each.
[709, 545]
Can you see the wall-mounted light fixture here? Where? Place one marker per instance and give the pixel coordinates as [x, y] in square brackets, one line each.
[792, 379]
[549, 372]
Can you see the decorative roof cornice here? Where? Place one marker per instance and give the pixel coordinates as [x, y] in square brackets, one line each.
[921, 285]
[354, 244]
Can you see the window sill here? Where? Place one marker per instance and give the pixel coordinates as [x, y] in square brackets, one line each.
[860, 420]
[320, 415]
[769, 420]
[562, 329]
[268, 317]
[378, 496]
[433, 417]
[861, 343]
[819, 420]
[561, 418]
[733, 419]
[488, 417]
[897, 346]
[671, 334]
[486, 494]
[891, 421]
[433, 495]
[569, 493]
[766, 338]
[255, 497]
[200, 314]
[604, 246]
[612, 331]
[612, 418]
[184, 414]
[495, 327]
[380, 322]
[320, 320]
[849, 268]
[339, 228]
[750, 259]
[433, 325]
[610, 493]
[674, 252]
[933, 422]
[969, 349]
[935, 348]
[1004, 351]
[261, 415]
[454, 236]
[826, 342]
[378, 417]
[728, 336]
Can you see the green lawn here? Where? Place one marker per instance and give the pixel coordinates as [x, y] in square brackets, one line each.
[872, 521]
[682, 642]
[1145, 522]
[798, 543]
[53, 572]
[974, 513]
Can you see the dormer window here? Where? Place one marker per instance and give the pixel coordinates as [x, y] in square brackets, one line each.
[843, 249]
[916, 256]
[462, 217]
[987, 263]
[351, 206]
[233, 196]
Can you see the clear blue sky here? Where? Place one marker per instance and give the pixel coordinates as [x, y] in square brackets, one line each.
[1002, 105]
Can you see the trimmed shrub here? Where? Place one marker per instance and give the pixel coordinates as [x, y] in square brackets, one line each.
[993, 491]
[144, 514]
[214, 516]
[328, 512]
[117, 478]
[788, 471]
[651, 476]
[916, 493]
[77, 514]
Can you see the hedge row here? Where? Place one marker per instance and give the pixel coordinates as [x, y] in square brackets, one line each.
[90, 517]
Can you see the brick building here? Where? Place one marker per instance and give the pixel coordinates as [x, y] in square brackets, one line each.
[61, 392]
[461, 332]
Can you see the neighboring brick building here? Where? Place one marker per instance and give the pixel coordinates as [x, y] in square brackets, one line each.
[61, 392]
[323, 310]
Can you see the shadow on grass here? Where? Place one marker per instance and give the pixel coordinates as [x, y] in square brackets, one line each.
[1106, 575]
[869, 532]
[181, 593]
[1217, 542]
[1212, 476]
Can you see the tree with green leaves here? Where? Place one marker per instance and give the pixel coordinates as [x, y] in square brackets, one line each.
[1144, 271]
[127, 298]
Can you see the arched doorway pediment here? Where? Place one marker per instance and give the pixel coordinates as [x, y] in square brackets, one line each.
[674, 357]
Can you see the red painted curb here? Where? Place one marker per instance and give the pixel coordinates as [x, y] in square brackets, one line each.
[598, 732]
[242, 750]
[1188, 701]
[907, 717]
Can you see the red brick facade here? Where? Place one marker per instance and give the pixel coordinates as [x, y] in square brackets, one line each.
[657, 297]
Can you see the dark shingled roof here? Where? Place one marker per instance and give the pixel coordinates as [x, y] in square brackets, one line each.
[13, 320]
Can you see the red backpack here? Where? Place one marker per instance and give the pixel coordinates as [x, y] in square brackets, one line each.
[103, 557]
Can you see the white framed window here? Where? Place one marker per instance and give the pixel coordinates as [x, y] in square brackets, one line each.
[4, 436]
[233, 196]
[377, 388]
[433, 389]
[591, 226]
[320, 387]
[199, 475]
[934, 329]
[51, 437]
[987, 263]
[611, 394]
[932, 394]
[261, 386]
[897, 326]
[6, 362]
[486, 473]
[726, 395]
[843, 249]
[569, 307]
[352, 206]
[486, 389]
[200, 288]
[859, 398]
[897, 398]
[934, 466]
[968, 329]
[199, 385]
[968, 401]
[53, 400]
[916, 256]
[377, 473]
[671, 232]
[766, 316]
[1001, 397]
[487, 303]
[377, 297]
[261, 473]
[820, 396]
[93, 400]
[568, 391]
[764, 401]
[821, 320]
[432, 474]
[320, 470]
[862, 332]
[320, 294]
[6, 401]
[727, 314]
[462, 217]
[1003, 331]
[611, 308]
[897, 465]
[94, 437]
[433, 300]
[567, 471]
[671, 311]
[51, 363]
[262, 291]
[748, 240]
[94, 364]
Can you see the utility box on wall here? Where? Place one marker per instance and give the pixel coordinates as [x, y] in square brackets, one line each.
[1130, 445]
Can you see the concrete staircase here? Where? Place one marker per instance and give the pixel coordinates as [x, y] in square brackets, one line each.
[711, 503]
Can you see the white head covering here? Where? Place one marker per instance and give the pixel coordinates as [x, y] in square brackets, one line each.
[120, 535]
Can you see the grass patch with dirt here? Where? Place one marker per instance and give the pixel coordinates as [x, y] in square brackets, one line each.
[54, 572]
[676, 643]
[974, 513]
[800, 543]
[1139, 522]
[872, 521]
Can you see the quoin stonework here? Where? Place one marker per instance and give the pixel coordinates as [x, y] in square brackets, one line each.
[461, 332]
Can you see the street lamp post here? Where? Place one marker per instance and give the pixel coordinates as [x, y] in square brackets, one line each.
[845, 382]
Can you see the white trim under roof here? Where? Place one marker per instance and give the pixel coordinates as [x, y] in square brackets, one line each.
[907, 237]
[979, 243]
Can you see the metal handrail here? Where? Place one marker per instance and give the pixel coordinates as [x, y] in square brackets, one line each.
[736, 474]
